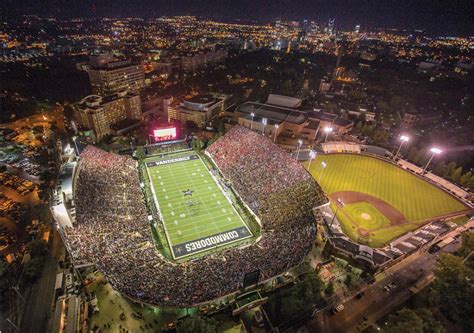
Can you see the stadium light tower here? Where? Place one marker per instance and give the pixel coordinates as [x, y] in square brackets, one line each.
[251, 123]
[312, 155]
[403, 139]
[300, 143]
[327, 130]
[275, 127]
[339, 204]
[323, 166]
[434, 151]
[264, 123]
[74, 138]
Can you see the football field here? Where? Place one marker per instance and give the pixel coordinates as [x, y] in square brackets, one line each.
[197, 215]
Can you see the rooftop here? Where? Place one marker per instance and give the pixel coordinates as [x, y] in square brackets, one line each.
[273, 113]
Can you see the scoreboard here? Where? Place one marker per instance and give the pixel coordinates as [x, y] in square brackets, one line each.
[165, 134]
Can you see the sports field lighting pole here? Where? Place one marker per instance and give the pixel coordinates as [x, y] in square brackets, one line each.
[403, 139]
[323, 166]
[75, 145]
[275, 127]
[300, 143]
[434, 151]
[339, 204]
[327, 130]
[251, 123]
[312, 155]
[264, 123]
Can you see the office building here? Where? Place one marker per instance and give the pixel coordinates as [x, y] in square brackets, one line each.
[98, 114]
[197, 111]
[111, 76]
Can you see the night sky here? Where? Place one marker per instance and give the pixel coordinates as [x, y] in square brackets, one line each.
[452, 17]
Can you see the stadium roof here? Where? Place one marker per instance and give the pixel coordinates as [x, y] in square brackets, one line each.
[277, 114]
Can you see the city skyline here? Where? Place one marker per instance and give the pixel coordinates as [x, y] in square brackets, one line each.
[433, 17]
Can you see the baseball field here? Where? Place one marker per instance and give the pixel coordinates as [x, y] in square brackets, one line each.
[377, 201]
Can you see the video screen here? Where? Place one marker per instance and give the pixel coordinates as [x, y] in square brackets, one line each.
[165, 134]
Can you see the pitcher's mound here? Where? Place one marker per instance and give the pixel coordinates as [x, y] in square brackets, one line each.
[365, 216]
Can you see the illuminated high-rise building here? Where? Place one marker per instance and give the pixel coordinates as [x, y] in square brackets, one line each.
[331, 26]
[109, 76]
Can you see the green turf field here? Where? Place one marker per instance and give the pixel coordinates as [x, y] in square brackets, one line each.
[415, 198]
[197, 215]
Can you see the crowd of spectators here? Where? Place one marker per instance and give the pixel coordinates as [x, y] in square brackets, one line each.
[112, 229]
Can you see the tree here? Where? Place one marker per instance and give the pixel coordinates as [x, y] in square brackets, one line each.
[414, 155]
[33, 268]
[454, 290]
[456, 174]
[359, 126]
[38, 248]
[470, 183]
[449, 169]
[439, 169]
[197, 324]
[467, 247]
[465, 178]
[5, 281]
[380, 137]
[406, 321]
[330, 289]
[47, 176]
[197, 144]
[430, 324]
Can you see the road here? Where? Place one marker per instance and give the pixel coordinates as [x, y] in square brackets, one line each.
[38, 306]
[376, 303]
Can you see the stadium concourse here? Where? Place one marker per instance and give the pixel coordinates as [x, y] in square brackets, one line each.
[112, 230]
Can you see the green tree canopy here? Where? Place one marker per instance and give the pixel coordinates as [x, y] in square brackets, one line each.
[454, 289]
[406, 321]
[197, 324]
[38, 248]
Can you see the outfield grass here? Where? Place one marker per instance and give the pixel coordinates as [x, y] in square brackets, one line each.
[415, 198]
[192, 204]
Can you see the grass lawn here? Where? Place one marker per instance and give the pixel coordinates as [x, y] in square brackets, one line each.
[416, 199]
[196, 213]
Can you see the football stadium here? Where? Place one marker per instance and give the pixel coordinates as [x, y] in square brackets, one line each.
[179, 227]
[376, 201]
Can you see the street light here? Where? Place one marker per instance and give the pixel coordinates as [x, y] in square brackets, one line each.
[312, 155]
[327, 130]
[264, 122]
[434, 151]
[300, 142]
[251, 123]
[323, 166]
[275, 132]
[403, 139]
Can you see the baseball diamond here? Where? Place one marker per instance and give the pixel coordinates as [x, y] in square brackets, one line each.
[380, 200]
